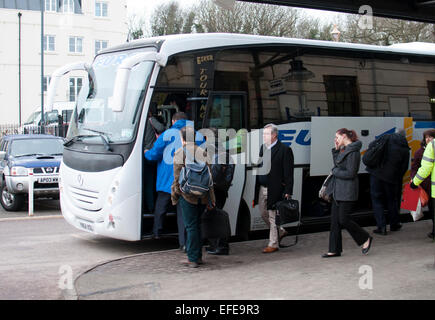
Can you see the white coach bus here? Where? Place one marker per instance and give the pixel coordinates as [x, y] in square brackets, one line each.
[308, 88]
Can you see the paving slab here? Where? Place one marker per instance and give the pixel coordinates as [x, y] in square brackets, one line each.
[398, 266]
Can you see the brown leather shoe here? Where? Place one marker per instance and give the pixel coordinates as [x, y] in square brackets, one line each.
[269, 250]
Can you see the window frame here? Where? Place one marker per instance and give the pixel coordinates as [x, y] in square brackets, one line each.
[75, 86]
[332, 85]
[47, 80]
[52, 5]
[46, 43]
[66, 5]
[101, 5]
[100, 45]
[75, 44]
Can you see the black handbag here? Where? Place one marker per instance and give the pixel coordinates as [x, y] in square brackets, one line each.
[215, 223]
[287, 211]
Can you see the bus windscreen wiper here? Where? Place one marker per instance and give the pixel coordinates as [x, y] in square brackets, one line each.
[104, 137]
[75, 139]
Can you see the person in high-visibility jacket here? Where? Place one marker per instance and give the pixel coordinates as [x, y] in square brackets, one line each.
[426, 169]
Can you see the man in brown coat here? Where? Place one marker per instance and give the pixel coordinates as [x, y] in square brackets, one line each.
[191, 206]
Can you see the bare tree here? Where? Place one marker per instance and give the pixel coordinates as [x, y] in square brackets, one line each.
[387, 31]
[273, 20]
[171, 19]
[135, 27]
[248, 18]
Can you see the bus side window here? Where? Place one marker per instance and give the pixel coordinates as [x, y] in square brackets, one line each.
[226, 110]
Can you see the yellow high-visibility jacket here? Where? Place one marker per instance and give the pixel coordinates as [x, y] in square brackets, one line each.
[427, 168]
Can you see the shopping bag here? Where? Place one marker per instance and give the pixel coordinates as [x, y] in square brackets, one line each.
[410, 198]
[418, 213]
[424, 198]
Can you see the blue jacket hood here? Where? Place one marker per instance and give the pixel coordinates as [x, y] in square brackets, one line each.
[163, 152]
[179, 124]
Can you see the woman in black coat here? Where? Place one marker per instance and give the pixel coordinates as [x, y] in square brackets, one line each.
[343, 188]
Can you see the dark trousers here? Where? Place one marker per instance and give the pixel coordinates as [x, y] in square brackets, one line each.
[384, 193]
[432, 212]
[340, 219]
[149, 185]
[219, 243]
[191, 217]
[163, 203]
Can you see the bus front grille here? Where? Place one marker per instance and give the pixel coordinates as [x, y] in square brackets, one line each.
[86, 199]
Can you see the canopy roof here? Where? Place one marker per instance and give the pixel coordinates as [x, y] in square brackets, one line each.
[417, 10]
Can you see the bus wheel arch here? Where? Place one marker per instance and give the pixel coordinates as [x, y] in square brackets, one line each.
[243, 226]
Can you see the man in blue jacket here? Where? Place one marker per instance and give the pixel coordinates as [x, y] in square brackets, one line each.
[163, 152]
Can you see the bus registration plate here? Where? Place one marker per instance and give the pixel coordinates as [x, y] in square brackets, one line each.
[87, 226]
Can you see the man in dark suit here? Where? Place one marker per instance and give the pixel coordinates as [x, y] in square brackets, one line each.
[275, 183]
[386, 182]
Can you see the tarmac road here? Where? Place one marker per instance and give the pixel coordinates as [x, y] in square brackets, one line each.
[37, 251]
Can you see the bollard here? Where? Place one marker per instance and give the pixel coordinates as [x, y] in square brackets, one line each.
[31, 180]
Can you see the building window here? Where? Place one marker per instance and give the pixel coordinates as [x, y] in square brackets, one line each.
[342, 95]
[100, 45]
[46, 82]
[50, 5]
[75, 84]
[68, 6]
[100, 9]
[49, 43]
[75, 44]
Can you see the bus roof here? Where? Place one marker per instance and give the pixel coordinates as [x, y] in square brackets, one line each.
[173, 44]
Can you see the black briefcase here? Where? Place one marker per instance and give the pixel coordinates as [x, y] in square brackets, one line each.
[287, 211]
[215, 224]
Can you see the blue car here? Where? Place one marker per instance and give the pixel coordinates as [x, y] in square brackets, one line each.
[22, 153]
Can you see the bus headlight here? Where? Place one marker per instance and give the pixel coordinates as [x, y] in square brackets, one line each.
[113, 190]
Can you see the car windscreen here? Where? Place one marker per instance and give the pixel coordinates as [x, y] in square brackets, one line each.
[27, 147]
[33, 118]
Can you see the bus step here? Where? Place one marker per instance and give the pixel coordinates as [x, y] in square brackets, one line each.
[147, 236]
[151, 215]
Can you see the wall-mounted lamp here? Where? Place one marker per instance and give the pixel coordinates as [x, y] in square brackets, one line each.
[297, 71]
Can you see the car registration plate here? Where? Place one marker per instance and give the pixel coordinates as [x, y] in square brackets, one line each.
[48, 180]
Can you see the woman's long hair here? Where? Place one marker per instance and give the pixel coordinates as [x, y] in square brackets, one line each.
[351, 134]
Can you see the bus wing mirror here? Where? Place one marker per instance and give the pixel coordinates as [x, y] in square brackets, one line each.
[2, 155]
[54, 82]
[117, 101]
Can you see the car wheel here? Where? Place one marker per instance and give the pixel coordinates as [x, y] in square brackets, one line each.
[10, 201]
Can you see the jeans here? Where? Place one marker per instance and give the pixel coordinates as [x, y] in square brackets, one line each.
[192, 217]
[340, 219]
[384, 192]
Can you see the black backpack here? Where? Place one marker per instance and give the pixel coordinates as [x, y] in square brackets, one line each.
[222, 173]
[375, 154]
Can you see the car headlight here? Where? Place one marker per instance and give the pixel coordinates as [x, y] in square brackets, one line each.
[19, 171]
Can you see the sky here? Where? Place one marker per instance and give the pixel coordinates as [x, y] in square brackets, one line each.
[146, 7]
